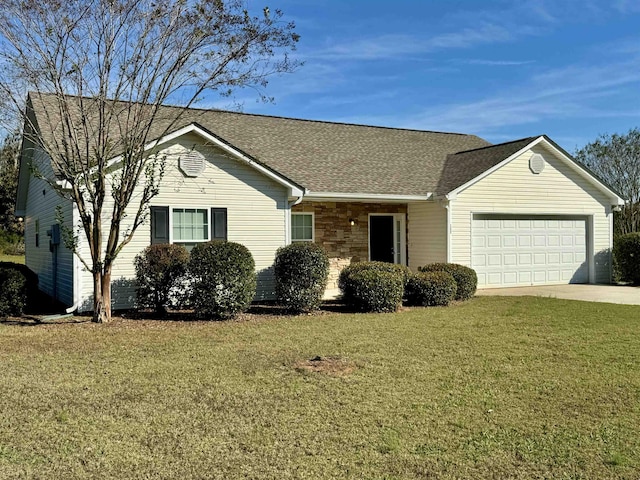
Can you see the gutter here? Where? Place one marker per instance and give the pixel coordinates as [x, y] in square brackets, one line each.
[77, 270]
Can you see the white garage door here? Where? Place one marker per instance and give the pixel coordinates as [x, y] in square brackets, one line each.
[514, 250]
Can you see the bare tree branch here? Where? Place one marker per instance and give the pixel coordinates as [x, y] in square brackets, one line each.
[102, 69]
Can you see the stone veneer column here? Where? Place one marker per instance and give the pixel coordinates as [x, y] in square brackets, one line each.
[343, 242]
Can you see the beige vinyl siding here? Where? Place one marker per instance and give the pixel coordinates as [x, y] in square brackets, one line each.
[256, 213]
[427, 233]
[42, 201]
[514, 189]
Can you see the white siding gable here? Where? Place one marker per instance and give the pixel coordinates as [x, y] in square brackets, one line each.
[41, 205]
[557, 190]
[257, 209]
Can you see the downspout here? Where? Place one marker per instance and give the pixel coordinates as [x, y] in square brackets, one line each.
[77, 270]
[287, 233]
[447, 207]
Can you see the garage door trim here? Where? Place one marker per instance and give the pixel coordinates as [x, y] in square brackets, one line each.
[501, 275]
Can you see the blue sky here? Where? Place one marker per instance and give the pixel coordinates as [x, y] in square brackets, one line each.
[499, 69]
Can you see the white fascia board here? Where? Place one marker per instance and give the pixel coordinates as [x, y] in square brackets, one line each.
[295, 191]
[615, 199]
[365, 197]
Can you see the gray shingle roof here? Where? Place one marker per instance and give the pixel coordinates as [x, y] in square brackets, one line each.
[337, 157]
[462, 167]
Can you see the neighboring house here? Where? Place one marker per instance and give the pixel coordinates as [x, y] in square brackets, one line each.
[519, 213]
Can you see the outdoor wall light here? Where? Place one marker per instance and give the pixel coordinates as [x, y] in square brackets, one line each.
[615, 208]
[352, 222]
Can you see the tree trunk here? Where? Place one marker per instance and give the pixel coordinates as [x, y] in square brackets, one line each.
[102, 296]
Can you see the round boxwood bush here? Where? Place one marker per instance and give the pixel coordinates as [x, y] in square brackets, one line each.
[223, 279]
[161, 272]
[373, 286]
[430, 289]
[465, 277]
[33, 292]
[375, 291]
[401, 270]
[626, 251]
[13, 292]
[301, 271]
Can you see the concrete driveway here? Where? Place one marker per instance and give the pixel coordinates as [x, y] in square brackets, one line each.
[588, 293]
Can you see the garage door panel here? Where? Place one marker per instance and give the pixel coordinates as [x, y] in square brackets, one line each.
[553, 259]
[539, 241]
[524, 240]
[524, 278]
[494, 278]
[553, 275]
[524, 259]
[508, 251]
[509, 241]
[540, 258]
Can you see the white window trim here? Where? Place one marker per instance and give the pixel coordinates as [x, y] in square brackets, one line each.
[190, 207]
[403, 234]
[313, 227]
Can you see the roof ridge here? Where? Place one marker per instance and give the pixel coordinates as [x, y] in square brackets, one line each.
[262, 115]
[499, 144]
[329, 122]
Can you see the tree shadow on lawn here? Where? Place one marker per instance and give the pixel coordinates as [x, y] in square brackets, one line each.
[256, 310]
[41, 309]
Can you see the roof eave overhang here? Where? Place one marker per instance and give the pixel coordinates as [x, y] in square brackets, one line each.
[364, 197]
[613, 196]
[295, 190]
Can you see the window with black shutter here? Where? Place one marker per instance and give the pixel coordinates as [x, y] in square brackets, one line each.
[159, 225]
[218, 223]
[190, 225]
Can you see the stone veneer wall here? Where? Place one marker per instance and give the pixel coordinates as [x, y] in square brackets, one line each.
[344, 243]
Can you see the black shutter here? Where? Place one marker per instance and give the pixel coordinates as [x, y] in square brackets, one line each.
[218, 224]
[159, 225]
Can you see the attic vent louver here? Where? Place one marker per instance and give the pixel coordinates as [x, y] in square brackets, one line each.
[192, 163]
[536, 163]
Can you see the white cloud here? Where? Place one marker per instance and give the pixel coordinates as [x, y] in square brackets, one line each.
[573, 92]
[493, 63]
[400, 46]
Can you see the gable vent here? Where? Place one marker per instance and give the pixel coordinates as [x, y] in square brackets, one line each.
[536, 163]
[192, 163]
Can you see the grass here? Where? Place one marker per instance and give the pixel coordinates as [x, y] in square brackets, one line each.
[497, 387]
[11, 258]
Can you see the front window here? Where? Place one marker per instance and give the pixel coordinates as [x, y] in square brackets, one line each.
[190, 225]
[302, 227]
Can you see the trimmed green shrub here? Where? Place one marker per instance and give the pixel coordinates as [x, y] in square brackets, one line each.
[465, 277]
[401, 270]
[11, 243]
[13, 292]
[373, 286]
[430, 289]
[32, 290]
[375, 291]
[301, 272]
[626, 251]
[224, 279]
[161, 272]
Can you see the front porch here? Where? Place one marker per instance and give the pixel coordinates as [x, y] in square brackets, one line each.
[357, 231]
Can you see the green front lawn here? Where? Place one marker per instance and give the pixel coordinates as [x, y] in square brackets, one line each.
[11, 258]
[492, 388]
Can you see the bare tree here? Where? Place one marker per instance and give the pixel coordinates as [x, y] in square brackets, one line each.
[616, 159]
[102, 69]
[9, 225]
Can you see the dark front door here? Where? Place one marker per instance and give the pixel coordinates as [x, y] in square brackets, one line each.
[381, 238]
